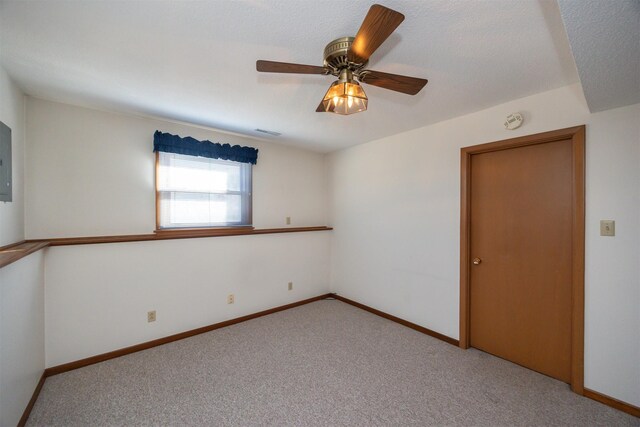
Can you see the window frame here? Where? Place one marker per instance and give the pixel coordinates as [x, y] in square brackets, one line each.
[205, 228]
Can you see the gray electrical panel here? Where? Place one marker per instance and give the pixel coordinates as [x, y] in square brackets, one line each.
[5, 163]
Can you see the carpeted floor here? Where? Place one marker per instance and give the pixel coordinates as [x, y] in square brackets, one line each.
[324, 363]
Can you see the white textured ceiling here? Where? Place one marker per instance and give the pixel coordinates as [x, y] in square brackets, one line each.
[605, 41]
[195, 61]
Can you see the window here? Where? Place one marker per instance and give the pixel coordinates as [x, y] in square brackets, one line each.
[196, 192]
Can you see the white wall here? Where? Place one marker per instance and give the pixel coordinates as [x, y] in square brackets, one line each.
[612, 272]
[395, 206]
[98, 295]
[21, 334]
[91, 173]
[21, 283]
[12, 115]
[394, 203]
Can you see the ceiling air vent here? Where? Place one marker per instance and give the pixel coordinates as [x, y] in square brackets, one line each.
[269, 132]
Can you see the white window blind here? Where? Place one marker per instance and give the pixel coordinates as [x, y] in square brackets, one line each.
[202, 192]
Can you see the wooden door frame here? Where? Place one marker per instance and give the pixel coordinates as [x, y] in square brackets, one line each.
[577, 136]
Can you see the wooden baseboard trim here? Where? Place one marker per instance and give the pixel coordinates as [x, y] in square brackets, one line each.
[602, 398]
[403, 322]
[54, 370]
[614, 403]
[34, 397]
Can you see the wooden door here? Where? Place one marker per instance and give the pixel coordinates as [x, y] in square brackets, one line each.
[521, 236]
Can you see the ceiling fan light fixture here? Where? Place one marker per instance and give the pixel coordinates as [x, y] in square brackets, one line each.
[348, 58]
[345, 96]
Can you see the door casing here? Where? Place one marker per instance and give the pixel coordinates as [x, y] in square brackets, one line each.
[577, 137]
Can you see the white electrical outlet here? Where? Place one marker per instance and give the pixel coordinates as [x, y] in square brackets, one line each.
[230, 299]
[151, 316]
[290, 286]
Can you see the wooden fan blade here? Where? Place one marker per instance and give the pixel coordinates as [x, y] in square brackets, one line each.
[398, 83]
[285, 67]
[379, 23]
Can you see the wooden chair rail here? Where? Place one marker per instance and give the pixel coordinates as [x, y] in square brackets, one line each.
[175, 234]
[12, 253]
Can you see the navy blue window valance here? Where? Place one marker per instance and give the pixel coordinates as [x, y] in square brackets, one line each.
[168, 143]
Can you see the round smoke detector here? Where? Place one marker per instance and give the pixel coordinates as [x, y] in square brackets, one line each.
[514, 121]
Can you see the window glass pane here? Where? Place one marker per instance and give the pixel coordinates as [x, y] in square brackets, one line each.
[190, 173]
[201, 192]
[200, 209]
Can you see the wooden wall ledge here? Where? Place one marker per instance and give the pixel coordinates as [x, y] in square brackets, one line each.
[12, 253]
[174, 234]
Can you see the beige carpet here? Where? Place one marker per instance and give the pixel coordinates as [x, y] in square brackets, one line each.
[326, 364]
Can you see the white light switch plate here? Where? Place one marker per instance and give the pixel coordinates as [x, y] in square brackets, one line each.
[607, 227]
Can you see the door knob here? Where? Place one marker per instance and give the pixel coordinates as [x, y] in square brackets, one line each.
[476, 261]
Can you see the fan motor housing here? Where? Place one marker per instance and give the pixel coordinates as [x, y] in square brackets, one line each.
[335, 55]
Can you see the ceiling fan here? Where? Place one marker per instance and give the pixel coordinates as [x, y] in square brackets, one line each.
[347, 59]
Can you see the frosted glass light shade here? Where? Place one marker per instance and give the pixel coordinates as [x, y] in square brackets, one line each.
[345, 98]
